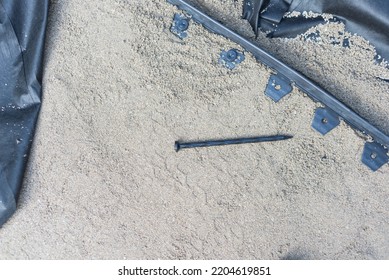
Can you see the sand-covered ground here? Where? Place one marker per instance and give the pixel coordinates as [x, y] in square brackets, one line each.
[104, 181]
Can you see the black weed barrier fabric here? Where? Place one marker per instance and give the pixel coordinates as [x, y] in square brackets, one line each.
[367, 18]
[22, 34]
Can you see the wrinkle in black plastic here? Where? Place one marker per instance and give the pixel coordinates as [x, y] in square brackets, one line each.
[367, 18]
[22, 34]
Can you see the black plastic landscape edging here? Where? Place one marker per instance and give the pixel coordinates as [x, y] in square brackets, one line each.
[287, 73]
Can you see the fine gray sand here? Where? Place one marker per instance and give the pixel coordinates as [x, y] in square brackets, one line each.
[104, 181]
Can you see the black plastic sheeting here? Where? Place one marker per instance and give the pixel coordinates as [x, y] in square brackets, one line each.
[367, 18]
[22, 34]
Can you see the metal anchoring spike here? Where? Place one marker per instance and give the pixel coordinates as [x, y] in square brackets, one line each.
[178, 146]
